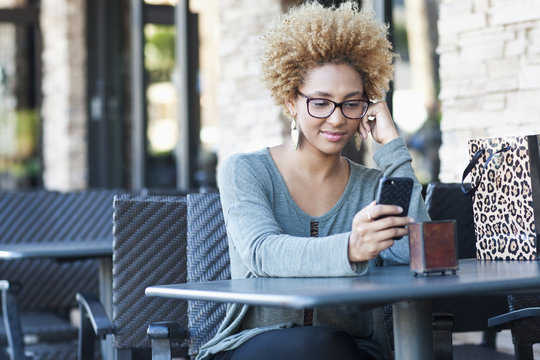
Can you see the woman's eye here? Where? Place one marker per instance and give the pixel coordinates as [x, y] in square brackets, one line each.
[320, 103]
[352, 104]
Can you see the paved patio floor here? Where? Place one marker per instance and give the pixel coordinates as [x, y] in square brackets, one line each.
[505, 347]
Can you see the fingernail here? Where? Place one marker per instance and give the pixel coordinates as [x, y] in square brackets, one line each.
[411, 220]
[400, 209]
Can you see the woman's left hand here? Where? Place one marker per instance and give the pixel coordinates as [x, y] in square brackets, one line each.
[381, 127]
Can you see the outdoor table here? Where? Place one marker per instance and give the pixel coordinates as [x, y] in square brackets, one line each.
[56, 250]
[410, 295]
[72, 251]
[69, 251]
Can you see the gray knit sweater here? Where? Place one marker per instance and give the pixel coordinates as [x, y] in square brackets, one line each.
[269, 235]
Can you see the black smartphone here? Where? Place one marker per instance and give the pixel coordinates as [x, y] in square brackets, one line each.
[395, 191]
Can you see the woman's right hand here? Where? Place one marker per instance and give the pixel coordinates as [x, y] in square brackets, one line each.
[378, 121]
[372, 234]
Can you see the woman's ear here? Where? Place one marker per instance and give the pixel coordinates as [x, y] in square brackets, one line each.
[291, 106]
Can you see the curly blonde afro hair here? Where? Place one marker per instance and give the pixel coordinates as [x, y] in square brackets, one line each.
[311, 35]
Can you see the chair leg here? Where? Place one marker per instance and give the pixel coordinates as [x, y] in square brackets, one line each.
[489, 339]
[12, 321]
[442, 336]
[161, 334]
[523, 352]
[87, 338]
[161, 349]
[124, 354]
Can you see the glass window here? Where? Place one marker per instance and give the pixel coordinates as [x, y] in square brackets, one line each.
[20, 164]
[415, 93]
[10, 4]
[161, 99]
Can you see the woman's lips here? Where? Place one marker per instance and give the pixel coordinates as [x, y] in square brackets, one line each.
[331, 136]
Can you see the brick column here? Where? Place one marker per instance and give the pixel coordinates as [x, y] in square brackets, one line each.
[490, 74]
[64, 94]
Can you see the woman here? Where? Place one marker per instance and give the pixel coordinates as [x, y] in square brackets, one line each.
[303, 210]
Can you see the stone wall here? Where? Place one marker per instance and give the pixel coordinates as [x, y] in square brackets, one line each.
[64, 94]
[489, 69]
[249, 119]
[490, 74]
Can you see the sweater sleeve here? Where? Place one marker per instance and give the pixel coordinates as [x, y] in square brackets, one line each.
[395, 161]
[256, 237]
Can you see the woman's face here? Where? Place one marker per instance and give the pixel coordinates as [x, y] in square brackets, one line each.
[336, 82]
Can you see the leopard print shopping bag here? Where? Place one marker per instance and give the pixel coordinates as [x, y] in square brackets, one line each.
[505, 178]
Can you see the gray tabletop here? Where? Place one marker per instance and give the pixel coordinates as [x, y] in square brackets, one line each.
[379, 286]
[82, 249]
[410, 295]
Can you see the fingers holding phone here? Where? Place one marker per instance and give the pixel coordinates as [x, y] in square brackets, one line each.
[395, 191]
[374, 229]
[376, 212]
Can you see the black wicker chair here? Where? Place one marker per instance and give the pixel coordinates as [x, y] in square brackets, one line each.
[38, 294]
[149, 248]
[523, 320]
[447, 201]
[207, 260]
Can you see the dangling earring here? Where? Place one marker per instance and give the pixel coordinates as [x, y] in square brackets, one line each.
[357, 141]
[294, 134]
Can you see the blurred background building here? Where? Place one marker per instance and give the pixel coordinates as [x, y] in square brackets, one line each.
[153, 94]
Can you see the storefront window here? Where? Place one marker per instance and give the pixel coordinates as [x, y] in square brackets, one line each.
[161, 97]
[20, 165]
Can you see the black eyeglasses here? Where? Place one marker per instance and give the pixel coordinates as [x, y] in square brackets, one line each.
[323, 108]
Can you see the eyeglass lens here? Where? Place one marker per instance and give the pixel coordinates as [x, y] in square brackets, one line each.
[322, 108]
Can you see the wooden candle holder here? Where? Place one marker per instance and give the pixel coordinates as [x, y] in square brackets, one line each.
[433, 247]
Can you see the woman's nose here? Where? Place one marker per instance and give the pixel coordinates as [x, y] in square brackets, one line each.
[337, 118]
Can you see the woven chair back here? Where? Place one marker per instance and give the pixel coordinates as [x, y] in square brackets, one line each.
[149, 248]
[34, 217]
[526, 331]
[447, 201]
[208, 260]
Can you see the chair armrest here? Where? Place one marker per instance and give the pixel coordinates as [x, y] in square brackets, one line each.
[4, 284]
[166, 330]
[93, 321]
[505, 320]
[160, 334]
[91, 307]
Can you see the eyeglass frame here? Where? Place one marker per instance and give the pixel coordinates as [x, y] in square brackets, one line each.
[336, 105]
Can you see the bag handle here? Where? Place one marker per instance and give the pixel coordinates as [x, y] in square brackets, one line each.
[472, 164]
